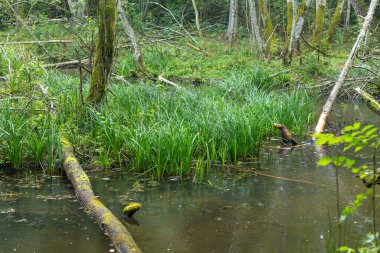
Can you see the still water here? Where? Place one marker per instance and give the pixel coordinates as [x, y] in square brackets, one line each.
[282, 203]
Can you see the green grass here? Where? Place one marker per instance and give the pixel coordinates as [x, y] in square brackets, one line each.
[150, 127]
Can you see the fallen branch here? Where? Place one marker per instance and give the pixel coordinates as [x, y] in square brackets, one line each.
[164, 80]
[373, 103]
[35, 42]
[198, 49]
[334, 93]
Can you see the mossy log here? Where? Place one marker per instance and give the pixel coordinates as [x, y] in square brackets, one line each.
[372, 103]
[115, 230]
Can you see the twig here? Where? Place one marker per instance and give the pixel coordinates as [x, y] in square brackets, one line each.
[198, 49]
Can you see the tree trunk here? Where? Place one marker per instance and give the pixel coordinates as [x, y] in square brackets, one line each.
[255, 27]
[139, 60]
[372, 103]
[359, 7]
[348, 16]
[115, 230]
[197, 22]
[269, 34]
[91, 9]
[66, 8]
[302, 13]
[292, 26]
[334, 93]
[319, 23]
[101, 69]
[289, 22]
[232, 22]
[18, 13]
[334, 22]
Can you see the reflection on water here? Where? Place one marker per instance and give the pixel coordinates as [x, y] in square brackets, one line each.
[243, 212]
[231, 212]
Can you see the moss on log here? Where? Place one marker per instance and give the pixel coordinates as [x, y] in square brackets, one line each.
[115, 230]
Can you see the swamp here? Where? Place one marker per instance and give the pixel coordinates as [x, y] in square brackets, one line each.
[189, 126]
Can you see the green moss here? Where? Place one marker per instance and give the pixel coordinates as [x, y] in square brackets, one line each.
[104, 51]
[334, 22]
[268, 27]
[289, 23]
[319, 23]
[131, 209]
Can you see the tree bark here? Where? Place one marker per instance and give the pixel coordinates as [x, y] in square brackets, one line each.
[302, 13]
[139, 60]
[255, 27]
[334, 22]
[359, 7]
[115, 230]
[348, 15]
[269, 34]
[232, 22]
[319, 23]
[334, 93]
[101, 69]
[197, 22]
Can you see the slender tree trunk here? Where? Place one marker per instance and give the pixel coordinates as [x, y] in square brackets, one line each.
[232, 22]
[334, 93]
[289, 22]
[255, 27]
[334, 22]
[348, 16]
[302, 13]
[101, 69]
[66, 8]
[91, 9]
[18, 13]
[359, 7]
[319, 23]
[132, 37]
[269, 34]
[294, 24]
[197, 22]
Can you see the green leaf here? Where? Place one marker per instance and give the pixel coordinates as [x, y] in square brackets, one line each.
[350, 162]
[348, 138]
[324, 161]
[356, 126]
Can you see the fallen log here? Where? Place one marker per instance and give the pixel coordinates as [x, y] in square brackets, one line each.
[115, 230]
[334, 93]
[372, 103]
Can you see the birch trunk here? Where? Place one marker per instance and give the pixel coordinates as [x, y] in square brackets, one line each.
[294, 23]
[255, 27]
[232, 22]
[334, 22]
[132, 37]
[319, 23]
[302, 13]
[334, 93]
[197, 22]
[359, 7]
[101, 70]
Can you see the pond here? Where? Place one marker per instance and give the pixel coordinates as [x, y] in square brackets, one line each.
[281, 203]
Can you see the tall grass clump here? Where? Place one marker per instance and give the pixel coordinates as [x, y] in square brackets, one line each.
[155, 128]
